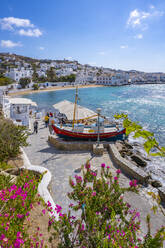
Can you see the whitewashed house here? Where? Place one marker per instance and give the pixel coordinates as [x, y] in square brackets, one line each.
[19, 110]
[16, 74]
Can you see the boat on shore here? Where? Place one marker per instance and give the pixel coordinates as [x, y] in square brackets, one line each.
[80, 130]
[86, 134]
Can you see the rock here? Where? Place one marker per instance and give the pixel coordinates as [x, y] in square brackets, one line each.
[122, 154]
[156, 184]
[127, 145]
[124, 149]
[139, 160]
[129, 153]
[119, 146]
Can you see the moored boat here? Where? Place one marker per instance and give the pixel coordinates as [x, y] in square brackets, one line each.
[96, 131]
[109, 134]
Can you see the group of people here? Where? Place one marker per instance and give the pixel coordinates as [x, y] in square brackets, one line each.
[51, 119]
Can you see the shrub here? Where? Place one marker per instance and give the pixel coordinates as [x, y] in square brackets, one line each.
[11, 138]
[16, 201]
[24, 82]
[35, 86]
[103, 220]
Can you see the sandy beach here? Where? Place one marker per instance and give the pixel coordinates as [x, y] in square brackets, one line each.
[51, 89]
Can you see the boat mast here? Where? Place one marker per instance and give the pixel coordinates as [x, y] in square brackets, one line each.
[75, 106]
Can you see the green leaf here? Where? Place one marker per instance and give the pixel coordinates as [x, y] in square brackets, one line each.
[144, 134]
[157, 154]
[149, 144]
[113, 214]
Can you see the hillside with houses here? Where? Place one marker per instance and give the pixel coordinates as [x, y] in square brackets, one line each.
[18, 72]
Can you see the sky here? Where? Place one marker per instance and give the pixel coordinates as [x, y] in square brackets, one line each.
[121, 34]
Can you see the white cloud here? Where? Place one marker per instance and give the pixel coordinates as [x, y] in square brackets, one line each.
[101, 53]
[10, 22]
[41, 48]
[10, 44]
[138, 36]
[30, 32]
[14, 24]
[137, 18]
[123, 46]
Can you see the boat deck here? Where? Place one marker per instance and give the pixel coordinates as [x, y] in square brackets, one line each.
[90, 130]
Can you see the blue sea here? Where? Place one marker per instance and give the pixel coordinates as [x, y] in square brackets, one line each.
[142, 103]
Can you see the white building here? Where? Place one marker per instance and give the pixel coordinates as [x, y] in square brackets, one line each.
[16, 74]
[41, 73]
[64, 72]
[117, 79]
[84, 79]
[45, 66]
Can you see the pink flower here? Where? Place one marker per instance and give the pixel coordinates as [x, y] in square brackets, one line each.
[133, 183]
[18, 234]
[78, 179]
[43, 211]
[72, 183]
[2, 236]
[58, 208]
[87, 166]
[18, 242]
[26, 185]
[82, 227]
[108, 167]
[102, 165]
[94, 193]
[20, 216]
[118, 171]
[93, 174]
[115, 178]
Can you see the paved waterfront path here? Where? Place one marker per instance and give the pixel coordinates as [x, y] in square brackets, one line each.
[64, 164]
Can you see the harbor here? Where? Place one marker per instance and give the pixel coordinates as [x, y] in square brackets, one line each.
[63, 164]
[64, 158]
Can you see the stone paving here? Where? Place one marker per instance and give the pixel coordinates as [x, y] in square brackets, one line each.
[64, 164]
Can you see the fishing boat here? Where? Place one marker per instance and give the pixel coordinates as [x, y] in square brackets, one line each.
[109, 134]
[94, 132]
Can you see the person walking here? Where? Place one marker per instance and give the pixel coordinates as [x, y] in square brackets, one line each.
[35, 125]
[46, 120]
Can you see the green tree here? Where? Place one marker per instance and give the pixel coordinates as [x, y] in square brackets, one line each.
[5, 81]
[35, 76]
[51, 75]
[24, 82]
[42, 79]
[12, 137]
[35, 86]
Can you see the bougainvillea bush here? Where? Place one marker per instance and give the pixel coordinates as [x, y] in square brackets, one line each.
[103, 219]
[16, 201]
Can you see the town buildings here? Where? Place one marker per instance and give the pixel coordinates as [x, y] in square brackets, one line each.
[17, 67]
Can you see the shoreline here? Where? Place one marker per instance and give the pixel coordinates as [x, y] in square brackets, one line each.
[55, 88]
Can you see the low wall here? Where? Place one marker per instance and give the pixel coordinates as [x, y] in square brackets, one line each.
[70, 145]
[131, 169]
